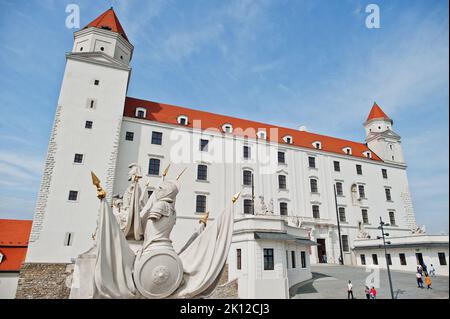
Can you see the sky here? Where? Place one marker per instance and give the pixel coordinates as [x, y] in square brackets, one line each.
[284, 62]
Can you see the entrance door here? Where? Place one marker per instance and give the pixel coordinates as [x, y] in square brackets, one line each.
[321, 250]
[419, 259]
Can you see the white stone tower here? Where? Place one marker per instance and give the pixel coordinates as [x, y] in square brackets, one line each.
[381, 138]
[85, 138]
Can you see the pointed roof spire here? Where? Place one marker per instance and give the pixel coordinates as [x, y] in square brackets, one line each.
[377, 113]
[109, 21]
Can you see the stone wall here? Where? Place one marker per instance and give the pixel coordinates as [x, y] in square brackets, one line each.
[225, 289]
[44, 281]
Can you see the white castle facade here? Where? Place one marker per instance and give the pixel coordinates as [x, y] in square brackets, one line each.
[287, 177]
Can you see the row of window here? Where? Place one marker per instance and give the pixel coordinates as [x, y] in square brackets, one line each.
[402, 258]
[269, 259]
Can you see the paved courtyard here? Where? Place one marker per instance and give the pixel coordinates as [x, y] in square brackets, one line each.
[330, 282]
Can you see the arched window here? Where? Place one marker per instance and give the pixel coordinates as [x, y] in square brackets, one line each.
[262, 134]
[288, 139]
[317, 145]
[227, 128]
[141, 112]
[183, 120]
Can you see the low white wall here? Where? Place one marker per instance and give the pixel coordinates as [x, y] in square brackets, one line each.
[8, 284]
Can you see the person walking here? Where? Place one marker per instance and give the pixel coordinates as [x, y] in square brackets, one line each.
[419, 280]
[349, 290]
[428, 281]
[373, 293]
[367, 292]
[432, 271]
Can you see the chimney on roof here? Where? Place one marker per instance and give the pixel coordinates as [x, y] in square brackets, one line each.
[302, 128]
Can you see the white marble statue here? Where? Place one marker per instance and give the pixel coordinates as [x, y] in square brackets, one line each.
[418, 230]
[270, 207]
[262, 209]
[156, 270]
[362, 233]
[126, 208]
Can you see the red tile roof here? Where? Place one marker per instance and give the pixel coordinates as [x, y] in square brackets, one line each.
[14, 235]
[169, 114]
[108, 20]
[377, 113]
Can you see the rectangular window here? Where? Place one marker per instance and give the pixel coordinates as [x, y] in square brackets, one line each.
[129, 136]
[388, 194]
[313, 184]
[202, 172]
[342, 217]
[282, 181]
[358, 169]
[281, 158]
[247, 178]
[204, 145]
[362, 192]
[384, 173]
[140, 114]
[389, 259]
[96, 82]
[268, 259]
[247, 152]
[283, 209]
[248, 206]
[68, 239]
[392, 218]
[374, 259]
[78, 158]
[402, 259]
[312, 162]
[442, 259]
[316, 211]
[293, 259]
[339, 190]
[303, 259]
[238, 259]
[337, 166]
[365, 216]
[88, 124]
[153, 166]
[157, 138]
[363, 259]
[91, 103]
[345, 246]
[73, 195]
[200, 206]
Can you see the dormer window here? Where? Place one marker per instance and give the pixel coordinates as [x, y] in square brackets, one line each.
[288, 139]
[317, 145]
[102, 49]
[105, 27]
[183, 120]
[262, 135]
[368, 154]
[141, 112]
[347, 150]
[227, 128]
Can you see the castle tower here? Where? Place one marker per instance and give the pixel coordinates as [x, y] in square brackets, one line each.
[381, 138]
[85, 138]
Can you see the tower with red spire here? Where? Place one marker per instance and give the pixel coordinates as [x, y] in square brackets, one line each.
[381, 138]
[85, 138]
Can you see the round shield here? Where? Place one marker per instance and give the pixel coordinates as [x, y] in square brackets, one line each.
[158, 273]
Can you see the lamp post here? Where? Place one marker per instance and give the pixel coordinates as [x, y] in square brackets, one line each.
[383, 235]
[341, 258]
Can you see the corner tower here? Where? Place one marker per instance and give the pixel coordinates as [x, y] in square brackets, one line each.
[381, 138]
[85, 137]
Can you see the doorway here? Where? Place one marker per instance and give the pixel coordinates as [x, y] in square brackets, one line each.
[321, 251]
[419, 259]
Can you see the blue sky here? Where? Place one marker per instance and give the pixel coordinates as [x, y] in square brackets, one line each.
[286, 62]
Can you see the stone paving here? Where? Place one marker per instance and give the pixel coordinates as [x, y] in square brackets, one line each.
[330, 282]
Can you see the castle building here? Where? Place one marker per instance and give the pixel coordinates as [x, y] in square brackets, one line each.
[313, 181]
